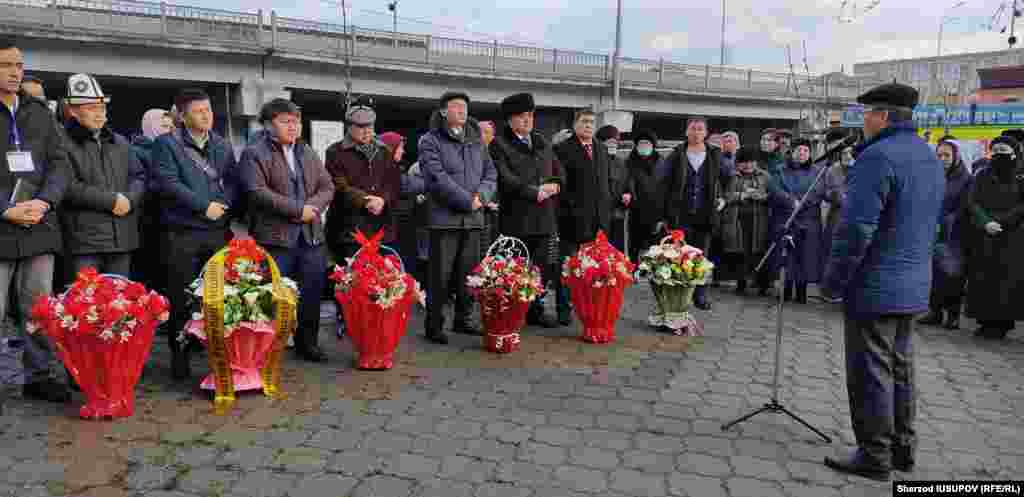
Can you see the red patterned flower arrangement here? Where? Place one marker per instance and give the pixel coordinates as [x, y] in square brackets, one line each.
[102, 327]
[376, 295]
[597, 277]
[505, 285]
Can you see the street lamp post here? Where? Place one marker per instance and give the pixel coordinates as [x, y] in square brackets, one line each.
[942, 24]
[393, 7]
[616, 67]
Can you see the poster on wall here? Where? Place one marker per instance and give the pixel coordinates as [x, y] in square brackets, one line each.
[323, 134]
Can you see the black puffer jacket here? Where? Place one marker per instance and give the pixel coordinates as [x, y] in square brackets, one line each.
[102, 166]
[40, 136]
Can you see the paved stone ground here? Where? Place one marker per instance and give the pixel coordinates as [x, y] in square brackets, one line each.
[559, 418]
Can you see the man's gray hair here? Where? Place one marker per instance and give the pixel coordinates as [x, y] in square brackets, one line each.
[733, 134]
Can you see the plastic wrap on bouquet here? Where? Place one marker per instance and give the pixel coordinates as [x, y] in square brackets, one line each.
[375, 332]
[106, 372]
[248, 347]
[598, 310]
[376, 297]
[501, 327]
[672, 309]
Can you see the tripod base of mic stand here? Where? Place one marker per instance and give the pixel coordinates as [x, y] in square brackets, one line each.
[775, 407]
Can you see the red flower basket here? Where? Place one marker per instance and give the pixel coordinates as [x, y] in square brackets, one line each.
[501, 327]
[376, 296]
[597, 277]
[102, 330]
[248, 347]
[506, 284]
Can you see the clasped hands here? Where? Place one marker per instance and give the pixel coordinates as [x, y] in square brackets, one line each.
[547, 190]
[27, 213]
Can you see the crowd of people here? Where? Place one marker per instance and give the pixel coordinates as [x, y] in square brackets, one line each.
[155, 208]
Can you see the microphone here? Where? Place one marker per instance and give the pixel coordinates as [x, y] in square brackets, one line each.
[849, 140]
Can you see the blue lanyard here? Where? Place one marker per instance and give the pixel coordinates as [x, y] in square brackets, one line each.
[14, 137]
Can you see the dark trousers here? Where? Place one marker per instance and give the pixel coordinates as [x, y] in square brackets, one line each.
[151, 237]
[305, 264]
[617, 233]
[699, 236]
[563, 298]
[947, 292]
[539, 245]
[453, 255]
[119, 263]
[187, 252]
[641, 237]
[880, 382]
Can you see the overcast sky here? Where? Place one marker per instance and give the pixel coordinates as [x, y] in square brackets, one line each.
[688, 31]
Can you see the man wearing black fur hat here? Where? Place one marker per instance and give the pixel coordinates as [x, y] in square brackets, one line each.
[460, 178]
[881, 265]
[526, 183]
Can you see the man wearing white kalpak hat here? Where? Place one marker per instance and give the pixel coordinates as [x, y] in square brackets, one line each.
[881, 265]
[105, 186]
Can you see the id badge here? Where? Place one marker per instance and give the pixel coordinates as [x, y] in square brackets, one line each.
[20, 162]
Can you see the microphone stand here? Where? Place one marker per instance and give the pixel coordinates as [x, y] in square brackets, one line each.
[784, 243]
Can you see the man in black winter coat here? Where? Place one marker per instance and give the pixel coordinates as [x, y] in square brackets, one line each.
[526, 183]
[33, 181]
[100, 215]
[585, 201]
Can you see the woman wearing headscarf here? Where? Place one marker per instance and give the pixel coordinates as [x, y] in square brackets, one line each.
[155, 122]
[745, 221]
[948, 278]
[995, 206]
[804, 264]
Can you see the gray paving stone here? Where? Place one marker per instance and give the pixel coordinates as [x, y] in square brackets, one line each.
[800, 490]
[459, 428]
[386, 442]
[335, 439]
[593, 457]
[620, 422]
[638, 483]
[758, 468]
[815, 474]
[302, 459]
[149, 478]
[658, 443]
[572, 420]
[443, 488]
[522, 473]
[614, 440]
[355, 463]
[324, 486]
[383, 486]
[649, 462]
[557, 435]
[490, 450]
[508, 432]
[34, 472]
[759, 449]
[438, 446]
[701, 464]
[690, 485]
[412, 424]
[709, 445]
[411, 465]
[666, 426]
[581, 479]
[747, 487]
[467, 469]
[629, 407]
[501, 490]
[265, 484]
[543, 454]
[204, 481]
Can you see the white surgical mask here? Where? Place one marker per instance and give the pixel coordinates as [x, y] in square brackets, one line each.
[644, 150]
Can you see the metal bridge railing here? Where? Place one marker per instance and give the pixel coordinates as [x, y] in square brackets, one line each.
[148, 19]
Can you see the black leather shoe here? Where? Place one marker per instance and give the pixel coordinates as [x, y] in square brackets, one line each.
[952, 321]
[702, 304]
[438, 337]
[990, 333]
[541, 319]
[48, 390]
[181, 369]
[565, 318]
[764, 291]
[857, 466]
[311, 354]
[465, 329]
[933, 318]
[902, 459]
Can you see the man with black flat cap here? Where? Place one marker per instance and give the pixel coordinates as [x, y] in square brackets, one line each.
[881, 265]
[526, 183]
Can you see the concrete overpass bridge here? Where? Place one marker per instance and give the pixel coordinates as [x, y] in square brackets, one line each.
[145, 50]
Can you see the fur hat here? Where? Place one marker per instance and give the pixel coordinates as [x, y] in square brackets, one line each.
[607, 132]
[747, 154]
[517, 104]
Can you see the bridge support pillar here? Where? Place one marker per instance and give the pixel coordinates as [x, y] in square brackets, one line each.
[253, 93]
[621, 119]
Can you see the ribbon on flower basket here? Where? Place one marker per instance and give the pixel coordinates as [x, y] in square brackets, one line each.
[675, 269]
[213, 310]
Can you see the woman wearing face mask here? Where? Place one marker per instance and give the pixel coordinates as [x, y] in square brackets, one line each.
[804, 265]
[649, 174]
[995, 206]
[618, 177]
[948, 277]
[745, 222]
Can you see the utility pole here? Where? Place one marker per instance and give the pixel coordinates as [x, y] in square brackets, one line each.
[393, 7]
[721, 60]
[349, 39]
[616, 68]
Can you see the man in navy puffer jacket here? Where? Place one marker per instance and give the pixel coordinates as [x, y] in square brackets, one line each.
[881, 266]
